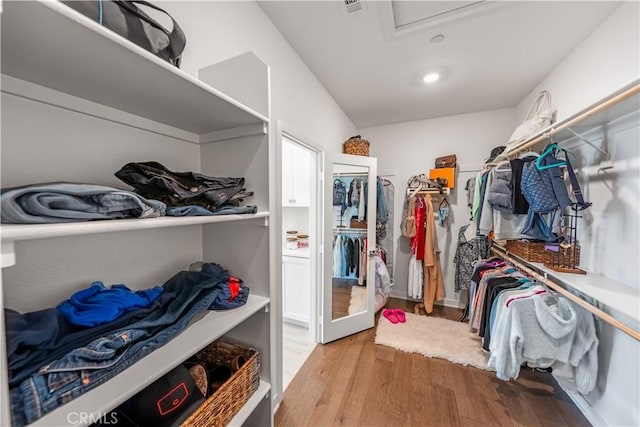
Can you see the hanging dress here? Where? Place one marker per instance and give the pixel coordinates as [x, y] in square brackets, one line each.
[467, 252]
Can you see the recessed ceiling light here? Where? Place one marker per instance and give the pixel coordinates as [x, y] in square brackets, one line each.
[431, 78]
[438, 38]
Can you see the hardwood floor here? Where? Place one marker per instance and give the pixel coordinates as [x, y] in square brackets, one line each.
[296, 347]
[341, 289]
[354, 382]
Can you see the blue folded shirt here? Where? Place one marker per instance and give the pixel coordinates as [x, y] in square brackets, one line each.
[98, 304]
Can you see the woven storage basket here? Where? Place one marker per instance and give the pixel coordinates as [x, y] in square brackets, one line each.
[355, 223]
[565, 257]
[227, 400]
[357, 146]
[531, 251]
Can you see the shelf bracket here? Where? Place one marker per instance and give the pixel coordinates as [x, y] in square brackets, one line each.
[266, 221]
[8, 254]
[586, 141]
[266, 309]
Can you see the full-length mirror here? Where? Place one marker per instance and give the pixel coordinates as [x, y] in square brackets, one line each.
[349, 244]
[349, 224]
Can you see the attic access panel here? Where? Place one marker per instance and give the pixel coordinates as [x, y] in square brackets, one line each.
[407, 16]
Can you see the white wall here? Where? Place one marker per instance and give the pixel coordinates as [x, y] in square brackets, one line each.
[411, 148]
[610, 232]
[603, 63]
[218, 30]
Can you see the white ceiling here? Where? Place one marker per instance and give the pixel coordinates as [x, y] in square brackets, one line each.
[493, 54]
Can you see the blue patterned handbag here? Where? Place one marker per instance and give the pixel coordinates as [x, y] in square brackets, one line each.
[537, 188]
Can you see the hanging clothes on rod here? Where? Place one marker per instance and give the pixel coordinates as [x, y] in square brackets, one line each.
[523, 321]
[349, 255]
[607, 318]
[425, 272]
[384, 231]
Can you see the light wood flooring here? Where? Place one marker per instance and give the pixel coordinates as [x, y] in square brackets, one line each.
[341, 297]
[354, 382]
[296, 348]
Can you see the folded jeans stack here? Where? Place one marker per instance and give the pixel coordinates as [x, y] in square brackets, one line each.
[69, 202]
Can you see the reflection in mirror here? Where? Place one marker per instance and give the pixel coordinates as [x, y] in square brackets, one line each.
[349, 283]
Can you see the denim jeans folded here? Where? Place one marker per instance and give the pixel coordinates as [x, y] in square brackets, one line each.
[85, 368]
[51, 336]
[195, 210]
[227, 298]
[69, 202]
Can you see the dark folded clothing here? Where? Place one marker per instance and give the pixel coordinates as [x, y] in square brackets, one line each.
[50, 335]
[195, 210]
[154, 180]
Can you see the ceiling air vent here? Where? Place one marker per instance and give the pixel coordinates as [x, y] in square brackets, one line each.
[354, 7]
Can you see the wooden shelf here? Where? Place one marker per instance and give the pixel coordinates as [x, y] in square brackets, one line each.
[126, 384]
[18, 232]
[68, 52]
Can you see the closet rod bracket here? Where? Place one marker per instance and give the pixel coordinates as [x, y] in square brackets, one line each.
[586, 141]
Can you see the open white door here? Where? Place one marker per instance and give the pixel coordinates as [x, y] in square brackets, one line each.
[348, 283]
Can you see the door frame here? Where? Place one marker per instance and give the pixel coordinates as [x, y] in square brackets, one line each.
[285, 130]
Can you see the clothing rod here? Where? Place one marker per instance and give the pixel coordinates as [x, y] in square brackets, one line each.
[350, 230]
[354, 174]
[413, 191]
[634, 90]
[594, 310]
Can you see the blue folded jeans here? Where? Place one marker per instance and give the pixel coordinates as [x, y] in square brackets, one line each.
[50, 336]
[87, 367]
[195, 210]
[69, 202]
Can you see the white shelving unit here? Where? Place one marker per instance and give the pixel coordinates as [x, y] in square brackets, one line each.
[18, 232]
[115, 391]
[78, 102]
[72, 54]
[611, 293]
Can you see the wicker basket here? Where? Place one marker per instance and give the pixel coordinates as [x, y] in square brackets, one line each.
[567, 258]
[356, 223]
[531, 251]
[227, 400]
[357, 146]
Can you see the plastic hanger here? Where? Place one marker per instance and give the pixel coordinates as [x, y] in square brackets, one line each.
[528, 154]
[444, 202]
[546, 152]
[503, 166]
